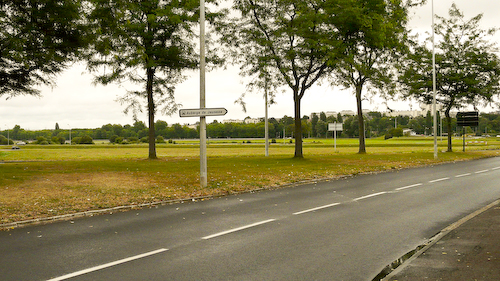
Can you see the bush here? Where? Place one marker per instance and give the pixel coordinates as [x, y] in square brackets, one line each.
[118, 140]
[4, 140]
[113, 138]
[145, 139]
[133, 140]
[396, 132]
[41, 140]
[273, 141]
[387, 136]
[86, 139]
[59, 140]
[160, 139]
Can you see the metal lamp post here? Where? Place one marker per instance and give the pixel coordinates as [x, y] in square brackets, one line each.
[434, 84]
[203, 122]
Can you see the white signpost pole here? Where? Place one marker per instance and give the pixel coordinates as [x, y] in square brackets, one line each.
[335, 127]
[203, 122]
[335, 136]
[266, 123]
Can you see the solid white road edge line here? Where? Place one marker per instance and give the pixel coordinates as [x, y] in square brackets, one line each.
[369, 196]
[443, 179]
[236, 229]
[85, 271]
[317, 208]
[407, 187]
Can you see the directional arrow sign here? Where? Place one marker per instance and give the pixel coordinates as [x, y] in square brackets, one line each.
[198, 112]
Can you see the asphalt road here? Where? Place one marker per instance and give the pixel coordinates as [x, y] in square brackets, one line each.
[347, 229]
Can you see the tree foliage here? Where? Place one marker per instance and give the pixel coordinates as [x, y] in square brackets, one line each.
[281, 40]
[148, 43]
[38, 38]
[467, 67]
[375, 36]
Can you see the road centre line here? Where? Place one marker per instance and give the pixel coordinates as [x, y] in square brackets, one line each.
[111, 264]
[369, 196]
[317, 208]
[438, 180]
[497, 168]
[463, 175]
[409, 186]
[236, 229]
[480, 172]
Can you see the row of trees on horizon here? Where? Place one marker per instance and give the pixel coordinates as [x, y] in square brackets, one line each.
[288, 45]
[377, 124]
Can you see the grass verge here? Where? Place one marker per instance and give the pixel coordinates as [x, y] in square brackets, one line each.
[69, 180]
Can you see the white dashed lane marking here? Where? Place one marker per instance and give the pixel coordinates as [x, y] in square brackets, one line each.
[317, 208]
[236, 229]
[409, 186]
[438, 180]
[111, 264]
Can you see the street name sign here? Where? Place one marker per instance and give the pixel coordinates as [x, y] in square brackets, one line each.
[200, 112]
[335, 127]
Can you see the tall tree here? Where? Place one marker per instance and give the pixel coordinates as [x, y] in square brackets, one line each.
[375, 34]
[147, 42]
[467, 67]
[37, 40]
[281, 38]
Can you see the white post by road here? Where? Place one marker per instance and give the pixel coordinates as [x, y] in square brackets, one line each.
[335, 137]
[266, 124]
[203, 123]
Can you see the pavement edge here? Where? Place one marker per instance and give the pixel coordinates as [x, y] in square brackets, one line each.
[433, 240]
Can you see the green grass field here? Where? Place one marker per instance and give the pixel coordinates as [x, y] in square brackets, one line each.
[43, 181]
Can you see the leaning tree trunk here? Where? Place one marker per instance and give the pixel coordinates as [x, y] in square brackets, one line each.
[151, 113]
[298, 127]
[361, 123]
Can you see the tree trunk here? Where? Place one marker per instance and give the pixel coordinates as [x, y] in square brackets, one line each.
[151, 113]
[361, 123]
[298, 127]
[448, 128]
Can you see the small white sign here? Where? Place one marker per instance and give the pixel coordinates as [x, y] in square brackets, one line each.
[335, 127]
[198, 112]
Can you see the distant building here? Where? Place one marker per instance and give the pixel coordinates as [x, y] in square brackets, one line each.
[252, 120]
[411, 113]
[232, 121]
[347, 113]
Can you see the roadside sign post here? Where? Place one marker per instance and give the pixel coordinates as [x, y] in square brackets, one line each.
[203, 113]
[335, 127]
[467, 119]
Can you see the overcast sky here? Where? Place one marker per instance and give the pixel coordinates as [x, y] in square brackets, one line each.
[74, 102]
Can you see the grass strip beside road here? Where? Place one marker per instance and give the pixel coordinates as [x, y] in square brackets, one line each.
[70, 180]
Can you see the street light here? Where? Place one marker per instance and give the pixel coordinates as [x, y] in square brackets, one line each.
[203, 122]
